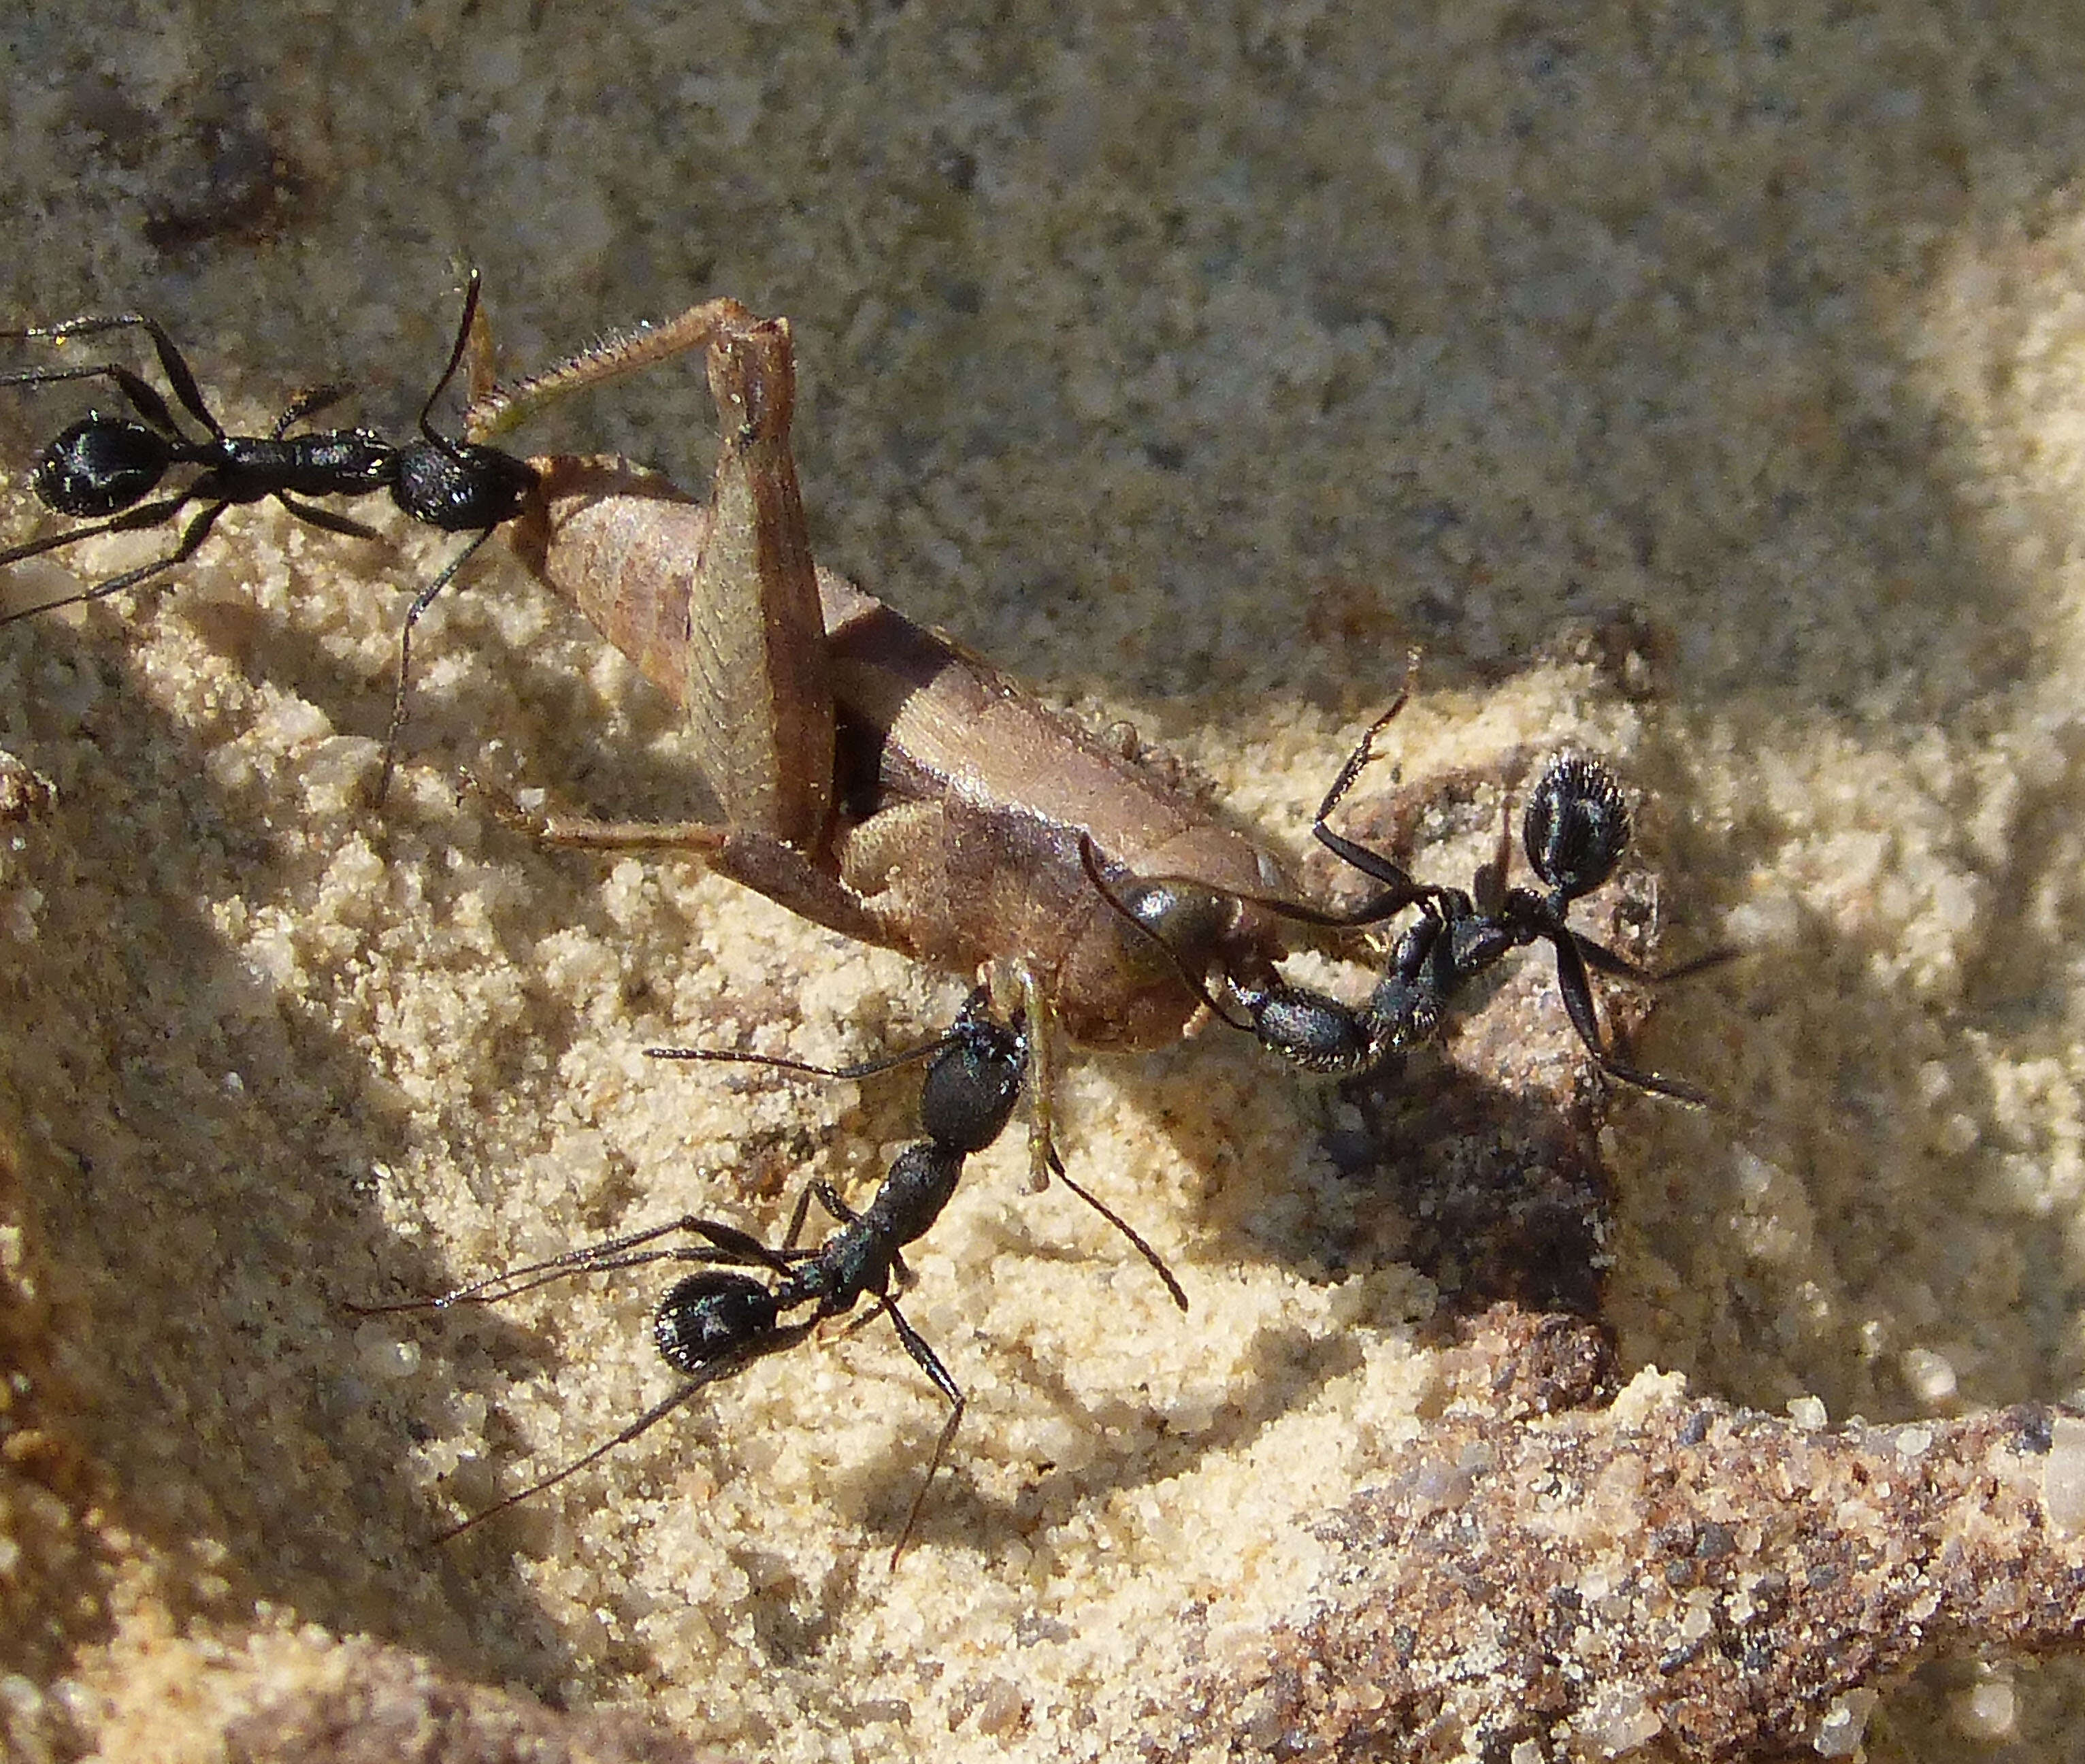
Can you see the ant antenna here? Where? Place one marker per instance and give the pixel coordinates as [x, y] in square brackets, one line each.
[1136, 1242]
[644, 1424]
[867, 1069]
[472, 283]
[454, 485]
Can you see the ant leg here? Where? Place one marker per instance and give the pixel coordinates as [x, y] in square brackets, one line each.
[421, 601]
[1399, 890]
[311, 515]
[1607, 961]
[150, 514]
[494, 410]
[1135, 1241]
[829, 1198]
[192, 539]
[651, 1417]
[798, 1214]
[1576, 988]
[1365, 749]
[929, 1362]
[1701, 964]
[173, 364]
[630, 1251]
[139, 393]
[147, 515]
[722, 1367]
[735, 1246]
[1487, 887]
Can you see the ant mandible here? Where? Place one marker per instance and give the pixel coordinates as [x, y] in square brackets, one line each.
[102, 468]
[1575, 829]
[712, 1324]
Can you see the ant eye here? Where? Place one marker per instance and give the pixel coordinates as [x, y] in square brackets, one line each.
[99, 466]
[1577, 826]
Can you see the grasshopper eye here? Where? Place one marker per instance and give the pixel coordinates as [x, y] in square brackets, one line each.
[1179, 915]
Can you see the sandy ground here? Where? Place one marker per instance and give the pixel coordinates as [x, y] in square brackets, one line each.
[1703, 391]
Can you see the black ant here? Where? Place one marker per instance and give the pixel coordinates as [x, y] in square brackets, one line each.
[1575, 829]
[101, 469]
[712, 1323]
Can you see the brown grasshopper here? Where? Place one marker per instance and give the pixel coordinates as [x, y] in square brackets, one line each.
[879, 779]
[874, 776]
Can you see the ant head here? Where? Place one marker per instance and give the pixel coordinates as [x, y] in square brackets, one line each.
[706, 1316]
[100, 465]
[1313, 1030]
[1577, 826]
[461, 486]
[972, 1086]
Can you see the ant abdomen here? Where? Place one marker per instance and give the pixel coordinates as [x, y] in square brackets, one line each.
[99, 466]
[1577, 825]
[705, 1316]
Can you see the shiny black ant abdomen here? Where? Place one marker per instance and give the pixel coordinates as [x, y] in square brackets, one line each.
[103, 469]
